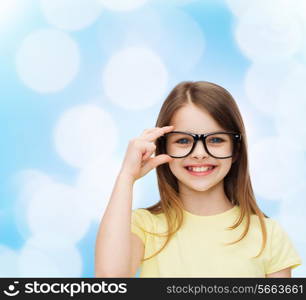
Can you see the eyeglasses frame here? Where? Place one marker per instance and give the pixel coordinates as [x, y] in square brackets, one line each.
[196, 137]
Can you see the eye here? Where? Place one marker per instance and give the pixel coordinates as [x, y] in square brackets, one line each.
[216, 140]
[180, 141]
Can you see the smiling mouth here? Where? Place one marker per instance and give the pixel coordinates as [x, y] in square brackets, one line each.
[200, 171]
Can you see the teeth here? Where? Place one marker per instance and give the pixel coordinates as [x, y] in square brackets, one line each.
[202, 169]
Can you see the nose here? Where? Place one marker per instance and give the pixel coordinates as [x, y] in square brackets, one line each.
[199, 149]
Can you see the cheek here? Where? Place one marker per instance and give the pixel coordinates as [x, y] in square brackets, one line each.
[175, 167]
[224, 168]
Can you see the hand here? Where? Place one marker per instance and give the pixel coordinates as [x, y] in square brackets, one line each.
[138, 161]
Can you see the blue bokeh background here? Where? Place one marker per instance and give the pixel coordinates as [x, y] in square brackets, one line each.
[72, 95]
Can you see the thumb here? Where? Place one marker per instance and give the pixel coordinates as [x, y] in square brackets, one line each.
[155, 162]
[161, 159]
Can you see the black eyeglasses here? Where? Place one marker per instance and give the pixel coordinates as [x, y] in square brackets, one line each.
[219, 144]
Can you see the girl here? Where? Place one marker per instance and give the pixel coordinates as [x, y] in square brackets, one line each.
[207, 222]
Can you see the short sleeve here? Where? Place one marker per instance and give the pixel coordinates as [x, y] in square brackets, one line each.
[282, 253]
[139, 222]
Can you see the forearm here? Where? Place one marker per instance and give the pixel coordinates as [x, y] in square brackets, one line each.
[113, 243]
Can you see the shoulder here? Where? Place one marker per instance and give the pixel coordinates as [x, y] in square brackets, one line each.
[271, 224]
[276, 234]
[142, 213]
[274, 227]
[145, 213]
[144, 216]
[283, 253]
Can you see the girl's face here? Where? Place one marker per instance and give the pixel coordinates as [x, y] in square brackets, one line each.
[192, 119]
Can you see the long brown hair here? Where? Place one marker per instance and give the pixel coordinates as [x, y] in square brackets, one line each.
[219, 103]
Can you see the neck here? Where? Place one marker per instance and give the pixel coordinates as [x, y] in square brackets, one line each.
[204, 203]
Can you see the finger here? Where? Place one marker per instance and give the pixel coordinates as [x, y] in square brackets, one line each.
[144, 134]
[150, 148]
[155, 162]
[150, 129]
[157, 132]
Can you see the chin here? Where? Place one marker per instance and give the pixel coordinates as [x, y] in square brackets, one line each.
[201, 187]
[200, 184]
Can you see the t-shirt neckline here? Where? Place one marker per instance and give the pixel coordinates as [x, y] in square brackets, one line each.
[228, 212]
